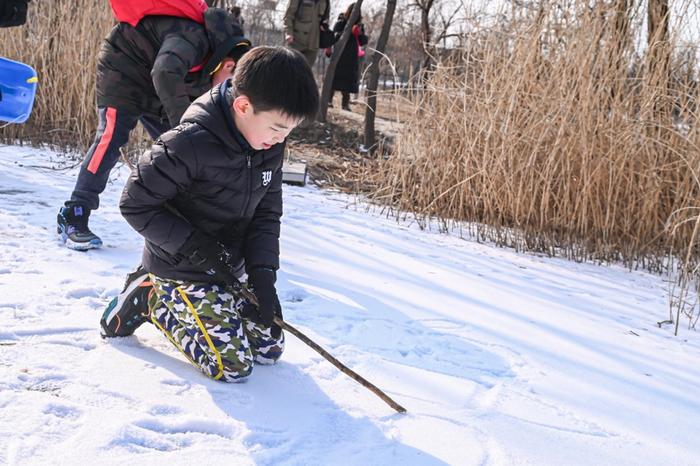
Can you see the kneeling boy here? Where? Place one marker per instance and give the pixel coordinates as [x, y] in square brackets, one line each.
[207, 198]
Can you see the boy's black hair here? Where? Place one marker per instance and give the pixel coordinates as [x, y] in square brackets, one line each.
[277, 78]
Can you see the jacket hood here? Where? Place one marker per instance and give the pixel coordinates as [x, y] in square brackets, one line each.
[224, 32]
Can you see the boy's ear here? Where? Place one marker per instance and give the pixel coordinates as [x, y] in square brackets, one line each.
[229, 65]
[224, 70]
[242, 105]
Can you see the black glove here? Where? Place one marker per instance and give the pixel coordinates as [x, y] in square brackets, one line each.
[210, 256]
[262, 283]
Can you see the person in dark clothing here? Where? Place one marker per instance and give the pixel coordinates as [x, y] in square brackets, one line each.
[347, 73]
[13, 13]
[207, 198]
[148, 73]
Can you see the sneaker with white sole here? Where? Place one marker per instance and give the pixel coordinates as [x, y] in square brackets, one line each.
[127, 311]
[73, 231]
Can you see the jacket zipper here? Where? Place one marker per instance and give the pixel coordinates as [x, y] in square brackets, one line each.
[248, 192]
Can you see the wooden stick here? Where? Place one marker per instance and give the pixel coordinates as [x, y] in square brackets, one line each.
[250, 296]
[343, 368]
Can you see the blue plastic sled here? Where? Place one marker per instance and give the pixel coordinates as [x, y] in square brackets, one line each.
[17, 89]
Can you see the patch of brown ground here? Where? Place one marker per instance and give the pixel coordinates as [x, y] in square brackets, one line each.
[332, 151]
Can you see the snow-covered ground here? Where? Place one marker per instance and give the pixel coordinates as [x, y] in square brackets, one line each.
[499, 357]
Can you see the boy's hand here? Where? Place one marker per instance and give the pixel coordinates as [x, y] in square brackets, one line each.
[262, 281]
[206, 252]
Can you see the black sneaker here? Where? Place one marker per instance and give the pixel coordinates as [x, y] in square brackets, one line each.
[126, 312]
[73, 228]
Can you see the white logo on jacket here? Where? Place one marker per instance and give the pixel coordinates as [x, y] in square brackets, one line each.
[266, 177]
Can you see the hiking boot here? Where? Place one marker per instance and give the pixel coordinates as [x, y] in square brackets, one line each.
[126, 312]
[73, 228]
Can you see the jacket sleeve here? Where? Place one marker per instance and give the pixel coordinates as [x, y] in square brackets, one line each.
[175, 58]
[261, 246]
[289, 16]
[160, 175]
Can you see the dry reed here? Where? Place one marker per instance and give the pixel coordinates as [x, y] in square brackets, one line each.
[550, 134]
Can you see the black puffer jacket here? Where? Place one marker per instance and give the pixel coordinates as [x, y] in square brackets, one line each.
[160, 66]
[203, 175]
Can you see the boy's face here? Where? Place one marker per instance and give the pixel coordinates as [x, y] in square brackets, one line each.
[262, 130]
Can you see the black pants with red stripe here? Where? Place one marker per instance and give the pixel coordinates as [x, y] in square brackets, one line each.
[112, 133]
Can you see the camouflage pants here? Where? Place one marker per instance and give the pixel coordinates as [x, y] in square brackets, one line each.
[205, 322]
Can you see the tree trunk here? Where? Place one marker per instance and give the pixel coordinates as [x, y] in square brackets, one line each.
[425, 32]
[373, 81]
[335, 58]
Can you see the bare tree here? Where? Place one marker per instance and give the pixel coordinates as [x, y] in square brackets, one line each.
[404, 41]
[446, 22]
[437, 18]
[335, 57]
[425, 6]
[373, 80]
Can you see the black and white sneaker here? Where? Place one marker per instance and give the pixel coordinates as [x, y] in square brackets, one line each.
[126, 312]
[72, 228]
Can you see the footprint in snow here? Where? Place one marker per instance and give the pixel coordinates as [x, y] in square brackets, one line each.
[164, 410]
[137, 440]
[83, 292]
[36, 379]
[175, 382]
[191, 426]
[263, 439]
[62, 411]
[179, 385]
[77, 342]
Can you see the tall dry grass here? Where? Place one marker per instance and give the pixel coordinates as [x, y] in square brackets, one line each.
[60, 40]
[552, 132]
